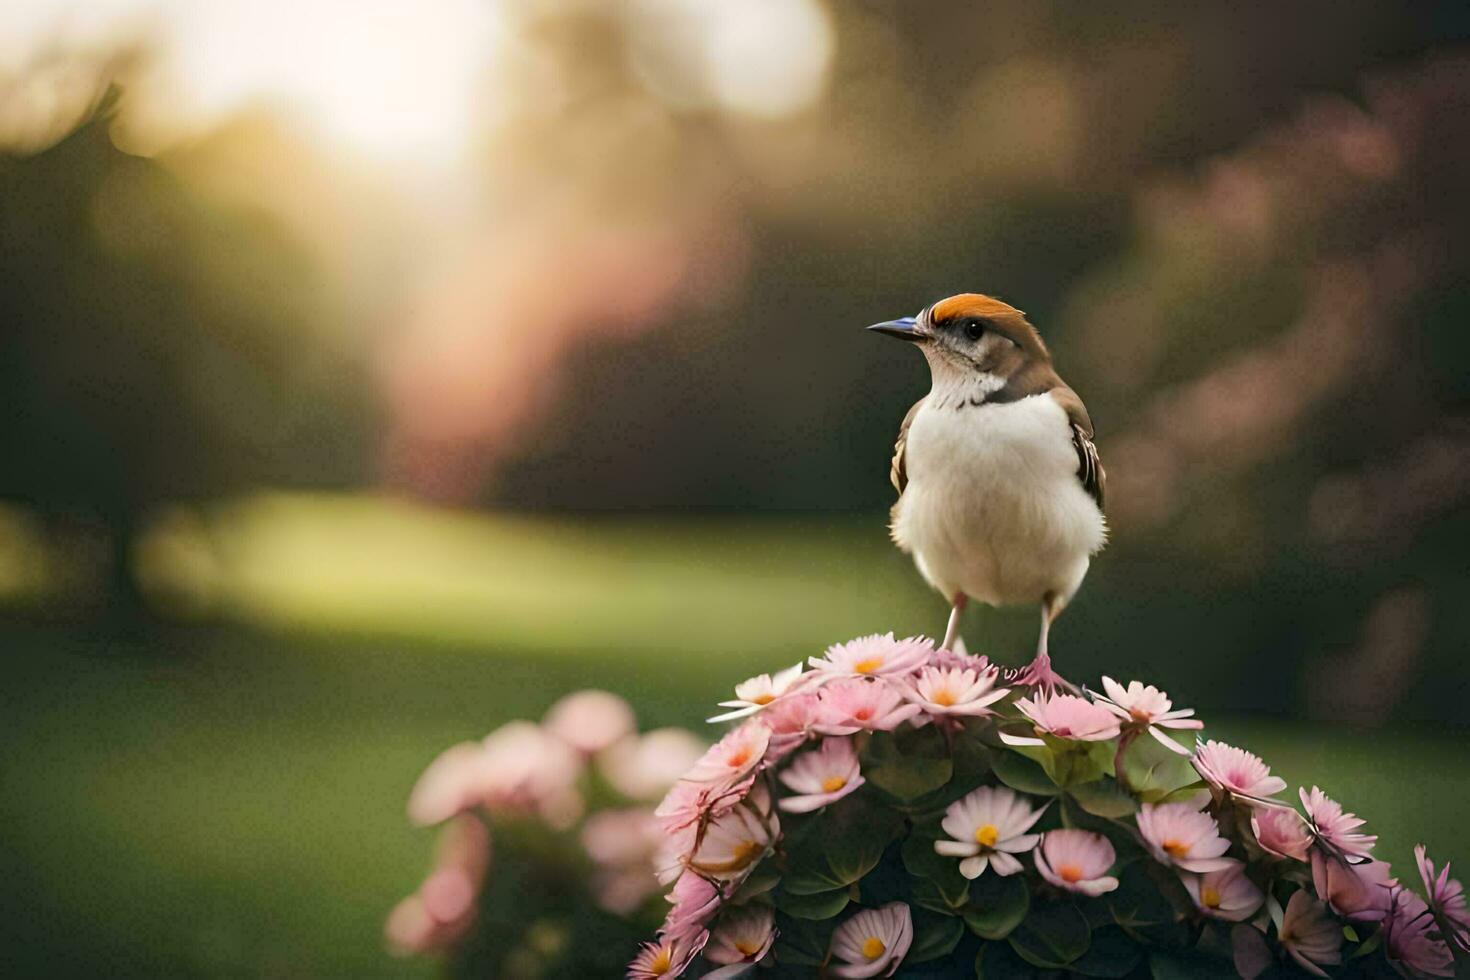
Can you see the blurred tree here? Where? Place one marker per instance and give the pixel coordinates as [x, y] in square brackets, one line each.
[153, 349]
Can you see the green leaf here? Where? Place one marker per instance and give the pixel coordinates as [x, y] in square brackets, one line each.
[761, 880]
[1052, 936]
[1183, 794]
[930, 894]
[1104, 798]
[910, 764]
[1368, 945]
[1023, 774]
[941, 874]
[1111, 954]
[1077, 762]
[997, 961]
[1154, 772]
[934, 936]
[822, 905]
[842, 847]
[997, 905]
[1137, 902]
[1189, 965]
[803, 942]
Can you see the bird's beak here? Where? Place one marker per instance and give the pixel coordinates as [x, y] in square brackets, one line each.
[904, 328]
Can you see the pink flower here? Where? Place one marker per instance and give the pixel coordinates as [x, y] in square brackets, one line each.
[955, 691]
[1308, 933]
[623, 845]
[1225, 893]
[590, 721]
[959, 659]
[527, 768]
[1065, 716]
[732, 757]
[1236, 771]
[695, 900]
[790, 721]
[874, 656]
[744, 935]
[849, 706]
[1251, 954]
[1412, 938]
[645, 767]
[688, 803]
[1446, 897]
[756, 693]
[519, 768]
[1077, 861]
[989, 827]
[1281, 831]
[1360, 892]
[660, 960]
[1148, 708]
[873, 942]
[1335, 827]
[729, 846]
[1182, 835]
[822, 776]
[450, 785]
[441, 912]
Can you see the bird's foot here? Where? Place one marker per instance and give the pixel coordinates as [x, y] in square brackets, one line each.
[1040, 676]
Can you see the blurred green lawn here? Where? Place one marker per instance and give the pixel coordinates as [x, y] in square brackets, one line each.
[228, 800]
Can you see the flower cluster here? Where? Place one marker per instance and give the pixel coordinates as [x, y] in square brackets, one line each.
[570, 801]
[891, 804]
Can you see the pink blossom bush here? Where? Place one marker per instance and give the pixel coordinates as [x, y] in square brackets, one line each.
[550, 845]
[897, 810]
[891, 809]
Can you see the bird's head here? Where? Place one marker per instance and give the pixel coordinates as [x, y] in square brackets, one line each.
[971, 334]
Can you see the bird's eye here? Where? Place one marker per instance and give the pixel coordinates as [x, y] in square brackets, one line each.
[974, 329]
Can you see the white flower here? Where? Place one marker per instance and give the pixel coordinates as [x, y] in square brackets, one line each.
[955, 691]
[754, 694]
[873, 942]
[822, 776]
[989, 827]
[733, 842]
[1150, 708]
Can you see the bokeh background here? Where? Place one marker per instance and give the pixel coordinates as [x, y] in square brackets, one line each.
[371, 374]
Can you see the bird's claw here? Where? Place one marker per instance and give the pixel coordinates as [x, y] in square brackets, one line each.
[1040, 676]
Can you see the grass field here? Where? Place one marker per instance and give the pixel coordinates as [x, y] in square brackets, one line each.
[228, 799]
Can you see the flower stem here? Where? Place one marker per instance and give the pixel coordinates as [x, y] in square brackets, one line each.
[1119, 773]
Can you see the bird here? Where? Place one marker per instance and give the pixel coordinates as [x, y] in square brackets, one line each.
[1000, 488]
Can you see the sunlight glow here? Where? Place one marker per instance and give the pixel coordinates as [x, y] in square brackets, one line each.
[397, 82]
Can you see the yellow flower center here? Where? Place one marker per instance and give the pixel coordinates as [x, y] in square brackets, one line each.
[747, 947]
[1069, 873]
[943, 698]
[663, 962]
[833, 783]
[873, 947]
[867, 665]
[763, 699]
[743, 852]
[740, 856]
[987, 835]
[1175, 849]
[1210, 896]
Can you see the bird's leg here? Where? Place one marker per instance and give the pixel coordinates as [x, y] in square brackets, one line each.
[952, 631]
[1039, 674]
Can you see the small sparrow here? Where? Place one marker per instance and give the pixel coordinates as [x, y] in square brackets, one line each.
[1000, 487]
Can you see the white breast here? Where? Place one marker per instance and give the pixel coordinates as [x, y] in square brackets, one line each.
[993, 506]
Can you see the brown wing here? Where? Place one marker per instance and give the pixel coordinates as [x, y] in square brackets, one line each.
[897, 472]
[1089, 466]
